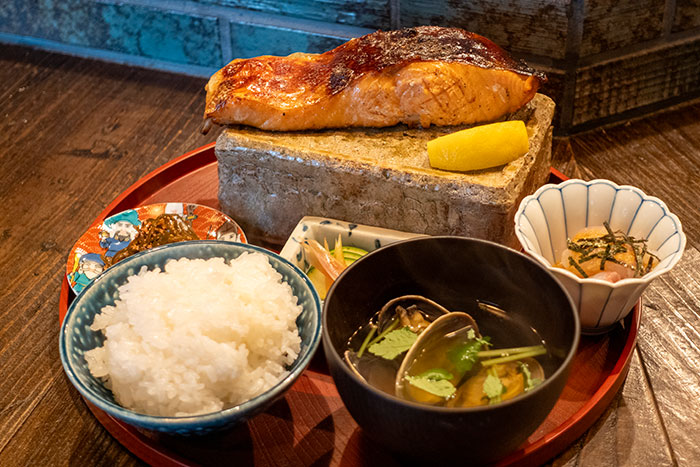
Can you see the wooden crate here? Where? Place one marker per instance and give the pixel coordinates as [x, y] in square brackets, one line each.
[606, 60]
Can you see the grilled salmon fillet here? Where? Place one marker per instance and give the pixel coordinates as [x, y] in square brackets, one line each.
[419, 76]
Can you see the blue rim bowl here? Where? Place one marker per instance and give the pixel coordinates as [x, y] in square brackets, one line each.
[76, 337]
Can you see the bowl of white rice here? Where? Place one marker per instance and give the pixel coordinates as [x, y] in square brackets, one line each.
[191, 337]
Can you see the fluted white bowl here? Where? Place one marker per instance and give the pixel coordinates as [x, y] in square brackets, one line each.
[546, 219]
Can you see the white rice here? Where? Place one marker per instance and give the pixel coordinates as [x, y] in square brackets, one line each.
[198, 337]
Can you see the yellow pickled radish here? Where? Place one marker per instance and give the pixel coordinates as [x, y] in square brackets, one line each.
[480, 147]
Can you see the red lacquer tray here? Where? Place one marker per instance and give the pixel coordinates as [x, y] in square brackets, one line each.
[310, 425]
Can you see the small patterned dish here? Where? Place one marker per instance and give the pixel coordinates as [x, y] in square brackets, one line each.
[90, 254]
[555, 213]
[367, 237]
[76, 337]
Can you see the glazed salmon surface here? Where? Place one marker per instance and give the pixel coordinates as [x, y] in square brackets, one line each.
[420, 76]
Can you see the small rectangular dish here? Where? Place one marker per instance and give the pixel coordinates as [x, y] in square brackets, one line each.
[366, 237]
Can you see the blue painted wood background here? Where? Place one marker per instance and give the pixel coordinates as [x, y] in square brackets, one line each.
[573, 41]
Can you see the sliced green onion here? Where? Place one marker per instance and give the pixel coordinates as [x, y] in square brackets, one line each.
[514, 357]
[365, 343]
[393, 325]
[506, 352]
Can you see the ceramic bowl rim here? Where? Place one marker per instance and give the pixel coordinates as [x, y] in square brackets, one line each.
[645, 279]
[565, 364]
[203, 420]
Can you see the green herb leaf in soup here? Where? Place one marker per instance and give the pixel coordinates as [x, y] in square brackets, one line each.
[530, 382]
[436, 382]
[394, 344]
[464, 356]
[493, 388]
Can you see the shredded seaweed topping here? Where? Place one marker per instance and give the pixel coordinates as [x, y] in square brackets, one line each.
[578, 268]
[605, 248]
[649, 265]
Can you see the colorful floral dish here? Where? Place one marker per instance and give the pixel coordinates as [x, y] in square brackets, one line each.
[546, 220]
[92, 253]
[366, 237]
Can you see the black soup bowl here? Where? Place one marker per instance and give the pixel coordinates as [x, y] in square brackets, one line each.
[454, 272]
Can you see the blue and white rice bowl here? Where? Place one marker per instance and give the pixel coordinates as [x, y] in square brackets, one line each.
[77, 337]
[554, 213]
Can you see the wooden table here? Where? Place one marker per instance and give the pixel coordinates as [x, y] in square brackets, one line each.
[76, 133]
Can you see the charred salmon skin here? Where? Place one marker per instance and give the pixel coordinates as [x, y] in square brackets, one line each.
[419, 76]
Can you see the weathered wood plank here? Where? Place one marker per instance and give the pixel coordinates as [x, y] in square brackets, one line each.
[658, 154]
[520, 26]
[669, 344]
[248, 40]
[161, 34]
[86, 443]
[629, 433]
[650, 76]
[368, 13]
[613, 24]
[563, 158]
[74, 134]
[687, 15]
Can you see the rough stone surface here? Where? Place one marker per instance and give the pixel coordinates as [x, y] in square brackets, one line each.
[380, 177]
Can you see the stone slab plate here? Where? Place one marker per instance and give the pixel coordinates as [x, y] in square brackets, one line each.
[377, 177]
